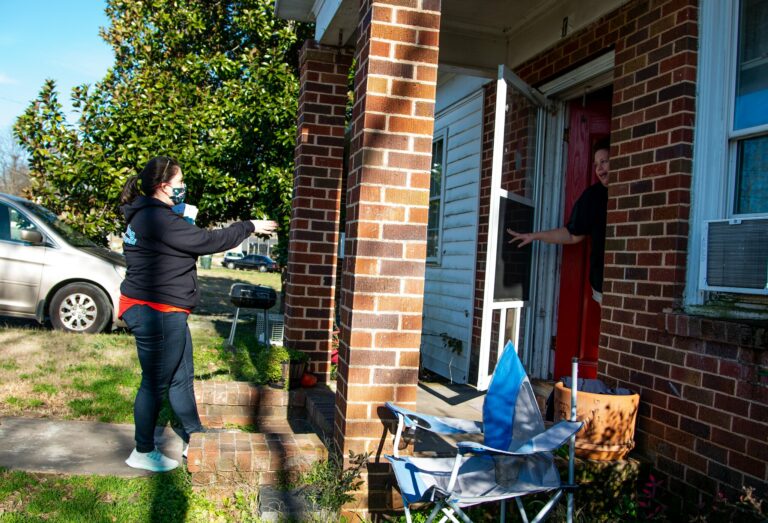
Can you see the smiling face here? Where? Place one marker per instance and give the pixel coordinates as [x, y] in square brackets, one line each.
[602, 166]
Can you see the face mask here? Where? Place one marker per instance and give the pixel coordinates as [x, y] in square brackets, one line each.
[178, 194]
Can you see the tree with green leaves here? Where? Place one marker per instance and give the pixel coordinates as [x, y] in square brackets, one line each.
[211, 83]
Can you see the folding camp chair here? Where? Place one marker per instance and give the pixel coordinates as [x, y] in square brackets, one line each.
[515, 459]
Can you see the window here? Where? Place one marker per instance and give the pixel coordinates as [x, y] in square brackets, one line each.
[729, 208]
[13, 224]
[749, 133]
[19, 223]
[435, 201]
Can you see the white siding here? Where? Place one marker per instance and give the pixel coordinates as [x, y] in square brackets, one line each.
[449, 286]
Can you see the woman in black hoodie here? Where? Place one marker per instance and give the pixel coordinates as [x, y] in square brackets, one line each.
[159, 292]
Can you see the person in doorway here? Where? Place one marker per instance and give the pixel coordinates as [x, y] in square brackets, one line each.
[159, 292]
[588, 217]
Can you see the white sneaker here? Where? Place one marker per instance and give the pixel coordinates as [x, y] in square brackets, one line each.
[184, 449]
[154, 461]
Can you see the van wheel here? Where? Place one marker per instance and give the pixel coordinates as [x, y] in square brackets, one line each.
[80, 307]
[262, 268]
[230, 265]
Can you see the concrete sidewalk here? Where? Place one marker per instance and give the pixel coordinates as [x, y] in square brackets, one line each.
[89, 447]
[75, 447]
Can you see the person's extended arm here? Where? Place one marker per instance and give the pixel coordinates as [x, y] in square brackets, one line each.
[560, 236]
[184, 236]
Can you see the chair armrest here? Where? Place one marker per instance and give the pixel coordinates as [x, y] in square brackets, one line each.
[437, 424]
[547, 441]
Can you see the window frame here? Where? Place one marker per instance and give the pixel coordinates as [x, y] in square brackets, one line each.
[715, 151]
[441, 135]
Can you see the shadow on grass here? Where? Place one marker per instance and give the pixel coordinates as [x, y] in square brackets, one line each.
[43, 497]
[169, 496]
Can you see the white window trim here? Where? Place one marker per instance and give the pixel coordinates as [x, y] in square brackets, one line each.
[714, 152]
[713, 120]
[440, 135]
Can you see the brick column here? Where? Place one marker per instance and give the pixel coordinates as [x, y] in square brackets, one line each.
[387, 204]
[310, 289]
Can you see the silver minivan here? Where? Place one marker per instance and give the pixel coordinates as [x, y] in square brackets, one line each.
[50, 271]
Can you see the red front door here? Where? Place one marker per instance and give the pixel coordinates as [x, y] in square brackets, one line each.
[578, 323]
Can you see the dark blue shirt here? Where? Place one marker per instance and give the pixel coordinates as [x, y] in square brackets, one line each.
[588, 217]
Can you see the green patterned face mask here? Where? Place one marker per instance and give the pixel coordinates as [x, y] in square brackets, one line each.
[178, 194]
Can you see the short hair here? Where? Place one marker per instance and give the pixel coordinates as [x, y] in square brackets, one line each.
[602, 143]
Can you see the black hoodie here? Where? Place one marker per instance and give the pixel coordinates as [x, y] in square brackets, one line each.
[161, 249]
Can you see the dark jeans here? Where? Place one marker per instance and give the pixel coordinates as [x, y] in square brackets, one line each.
[165, 353]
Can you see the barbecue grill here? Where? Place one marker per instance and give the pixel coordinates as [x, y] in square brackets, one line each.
[247, 296]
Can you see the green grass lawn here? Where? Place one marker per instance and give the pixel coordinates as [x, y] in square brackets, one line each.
[46, 373]
[95, 377]
[169, 497]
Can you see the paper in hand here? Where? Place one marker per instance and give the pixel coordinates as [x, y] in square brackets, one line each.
[189, 212]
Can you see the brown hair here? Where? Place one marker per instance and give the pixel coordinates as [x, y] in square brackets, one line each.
[159, 169]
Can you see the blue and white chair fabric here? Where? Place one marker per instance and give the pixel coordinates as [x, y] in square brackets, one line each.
[514, 460]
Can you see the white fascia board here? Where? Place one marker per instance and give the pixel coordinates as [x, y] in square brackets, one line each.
[299, 10]
[336, 21]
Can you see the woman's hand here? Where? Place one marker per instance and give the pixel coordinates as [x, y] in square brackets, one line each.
[523, 237]
[264, 227]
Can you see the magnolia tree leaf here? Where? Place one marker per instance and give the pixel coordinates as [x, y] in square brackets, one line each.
[213, 84]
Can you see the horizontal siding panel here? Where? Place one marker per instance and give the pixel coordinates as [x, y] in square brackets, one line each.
[460, 141]
[463, 171]
[458, 232]
[462, 151]
[449, 286]
[445, 320]
[468, 135]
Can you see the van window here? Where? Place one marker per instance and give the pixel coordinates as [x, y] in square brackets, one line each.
[12, 222]
[72, 236]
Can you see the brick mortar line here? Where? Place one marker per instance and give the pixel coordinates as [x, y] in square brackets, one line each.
[404, 42]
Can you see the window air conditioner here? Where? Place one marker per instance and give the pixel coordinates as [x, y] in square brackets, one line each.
[735, 256]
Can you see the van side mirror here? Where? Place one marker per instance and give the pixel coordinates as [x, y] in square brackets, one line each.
[33, 237]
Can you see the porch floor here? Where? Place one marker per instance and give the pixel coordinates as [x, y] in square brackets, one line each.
[436, 398]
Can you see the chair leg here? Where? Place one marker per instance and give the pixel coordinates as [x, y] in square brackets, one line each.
[438, 505]
[503, 517]
[546, 508]
[407, 511]
[521, 509]
[458, 512]
[448, 515]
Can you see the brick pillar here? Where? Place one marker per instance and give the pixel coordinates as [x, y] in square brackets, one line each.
[387, 204]
[310, 289]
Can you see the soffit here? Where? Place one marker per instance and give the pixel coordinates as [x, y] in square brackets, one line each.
[474, 35]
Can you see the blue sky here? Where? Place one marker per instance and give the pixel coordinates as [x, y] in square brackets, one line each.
[42, 39]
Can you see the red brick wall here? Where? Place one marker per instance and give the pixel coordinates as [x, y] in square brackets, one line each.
[703, 419]
[310, 288]
[386, 220]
